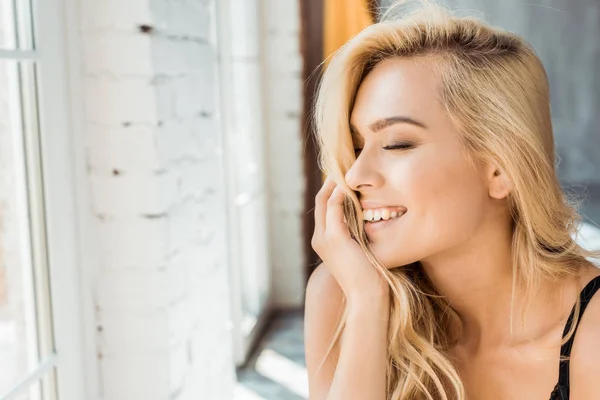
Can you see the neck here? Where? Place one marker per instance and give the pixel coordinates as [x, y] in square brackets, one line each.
[477, 280]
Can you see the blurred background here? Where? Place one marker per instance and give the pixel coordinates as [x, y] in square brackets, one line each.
[157, 179]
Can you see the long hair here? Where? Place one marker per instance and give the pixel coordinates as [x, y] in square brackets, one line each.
[495, 89]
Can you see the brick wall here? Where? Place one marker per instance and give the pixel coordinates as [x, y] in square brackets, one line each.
[155, 174]
[157, 200]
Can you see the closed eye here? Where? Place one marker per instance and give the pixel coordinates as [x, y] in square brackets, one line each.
[396, 146]
[399, 146]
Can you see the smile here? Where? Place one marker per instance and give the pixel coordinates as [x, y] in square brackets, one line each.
[385, 214]
[373, 226]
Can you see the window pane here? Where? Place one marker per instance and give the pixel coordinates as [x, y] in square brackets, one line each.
[40, 389]
[19, 311]
[34, 392]
[16, 27]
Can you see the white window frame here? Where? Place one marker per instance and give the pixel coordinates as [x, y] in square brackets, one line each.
[246, 326]
[61, 245]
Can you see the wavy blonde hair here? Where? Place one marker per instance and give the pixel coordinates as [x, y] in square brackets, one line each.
[495, 90]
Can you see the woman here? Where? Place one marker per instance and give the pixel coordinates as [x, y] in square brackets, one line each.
[449, 268]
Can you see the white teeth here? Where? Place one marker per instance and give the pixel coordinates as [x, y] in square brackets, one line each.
[385, 214]
[381, 214]
[377, 215]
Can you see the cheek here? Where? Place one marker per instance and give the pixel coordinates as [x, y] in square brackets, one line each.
[444, 196]
[445, 200]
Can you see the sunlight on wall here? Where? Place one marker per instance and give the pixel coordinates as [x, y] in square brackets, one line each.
[241, 392]
[282, 370]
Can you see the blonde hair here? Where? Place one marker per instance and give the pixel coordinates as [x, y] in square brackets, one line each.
[495, 89]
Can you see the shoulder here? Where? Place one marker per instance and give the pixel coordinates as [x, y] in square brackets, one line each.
[324, 298]
[322, 282]
[585, 357]
[324, 306]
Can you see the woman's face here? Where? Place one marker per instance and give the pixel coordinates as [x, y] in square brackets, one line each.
[428, 178]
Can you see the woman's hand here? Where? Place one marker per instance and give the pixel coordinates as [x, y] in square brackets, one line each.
[343, 256]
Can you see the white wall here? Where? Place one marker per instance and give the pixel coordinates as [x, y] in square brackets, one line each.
[156, 201]
[283, 63]
[152, 196]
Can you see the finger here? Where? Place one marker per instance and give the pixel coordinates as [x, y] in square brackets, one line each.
[321, 203]
[334, 222]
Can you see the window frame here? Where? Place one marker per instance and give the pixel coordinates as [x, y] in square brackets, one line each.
[251, 294]
[53, 203]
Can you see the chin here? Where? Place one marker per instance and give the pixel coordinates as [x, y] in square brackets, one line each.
[392, 256]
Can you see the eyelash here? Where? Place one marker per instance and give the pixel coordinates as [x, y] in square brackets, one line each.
[397, 146]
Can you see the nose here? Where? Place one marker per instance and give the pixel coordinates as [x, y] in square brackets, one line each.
[363, 173]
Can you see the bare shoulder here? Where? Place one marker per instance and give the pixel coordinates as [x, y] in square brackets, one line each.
[585, 357]
[323, 310]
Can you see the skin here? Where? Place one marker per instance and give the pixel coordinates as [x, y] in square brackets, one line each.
[458, 225]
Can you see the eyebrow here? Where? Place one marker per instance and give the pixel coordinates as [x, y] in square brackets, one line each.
[385, 122]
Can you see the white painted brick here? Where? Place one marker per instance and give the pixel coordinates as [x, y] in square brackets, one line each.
[197, 226]
[177, 275]
[132, 291]
[194, 94]
[132, 193]
[133, 243]
[206, 139]
[217, 362]
[185, 223]
[180, 321]
[200, 264]
[195, 182]
[197, 55]
[207, 343]
[178, 366]
[112, 101]
[111, 148]
[150, 112]
[184, 19]
[176, 58]
[115, 53]
[165, 103]
[210, 281]
[130, 333]
[169, 56]
[169, 139]
[114, 14]
[127, 377]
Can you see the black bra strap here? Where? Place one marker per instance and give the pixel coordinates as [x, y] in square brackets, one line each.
[565, 351]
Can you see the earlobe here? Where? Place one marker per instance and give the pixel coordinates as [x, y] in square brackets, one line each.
[499, 185]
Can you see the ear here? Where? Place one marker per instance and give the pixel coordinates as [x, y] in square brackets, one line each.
[499, 184]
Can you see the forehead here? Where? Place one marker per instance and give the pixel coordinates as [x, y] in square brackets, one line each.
[399, 86]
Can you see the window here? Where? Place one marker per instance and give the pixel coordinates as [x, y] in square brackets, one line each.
[244, 139]
[37, 275]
